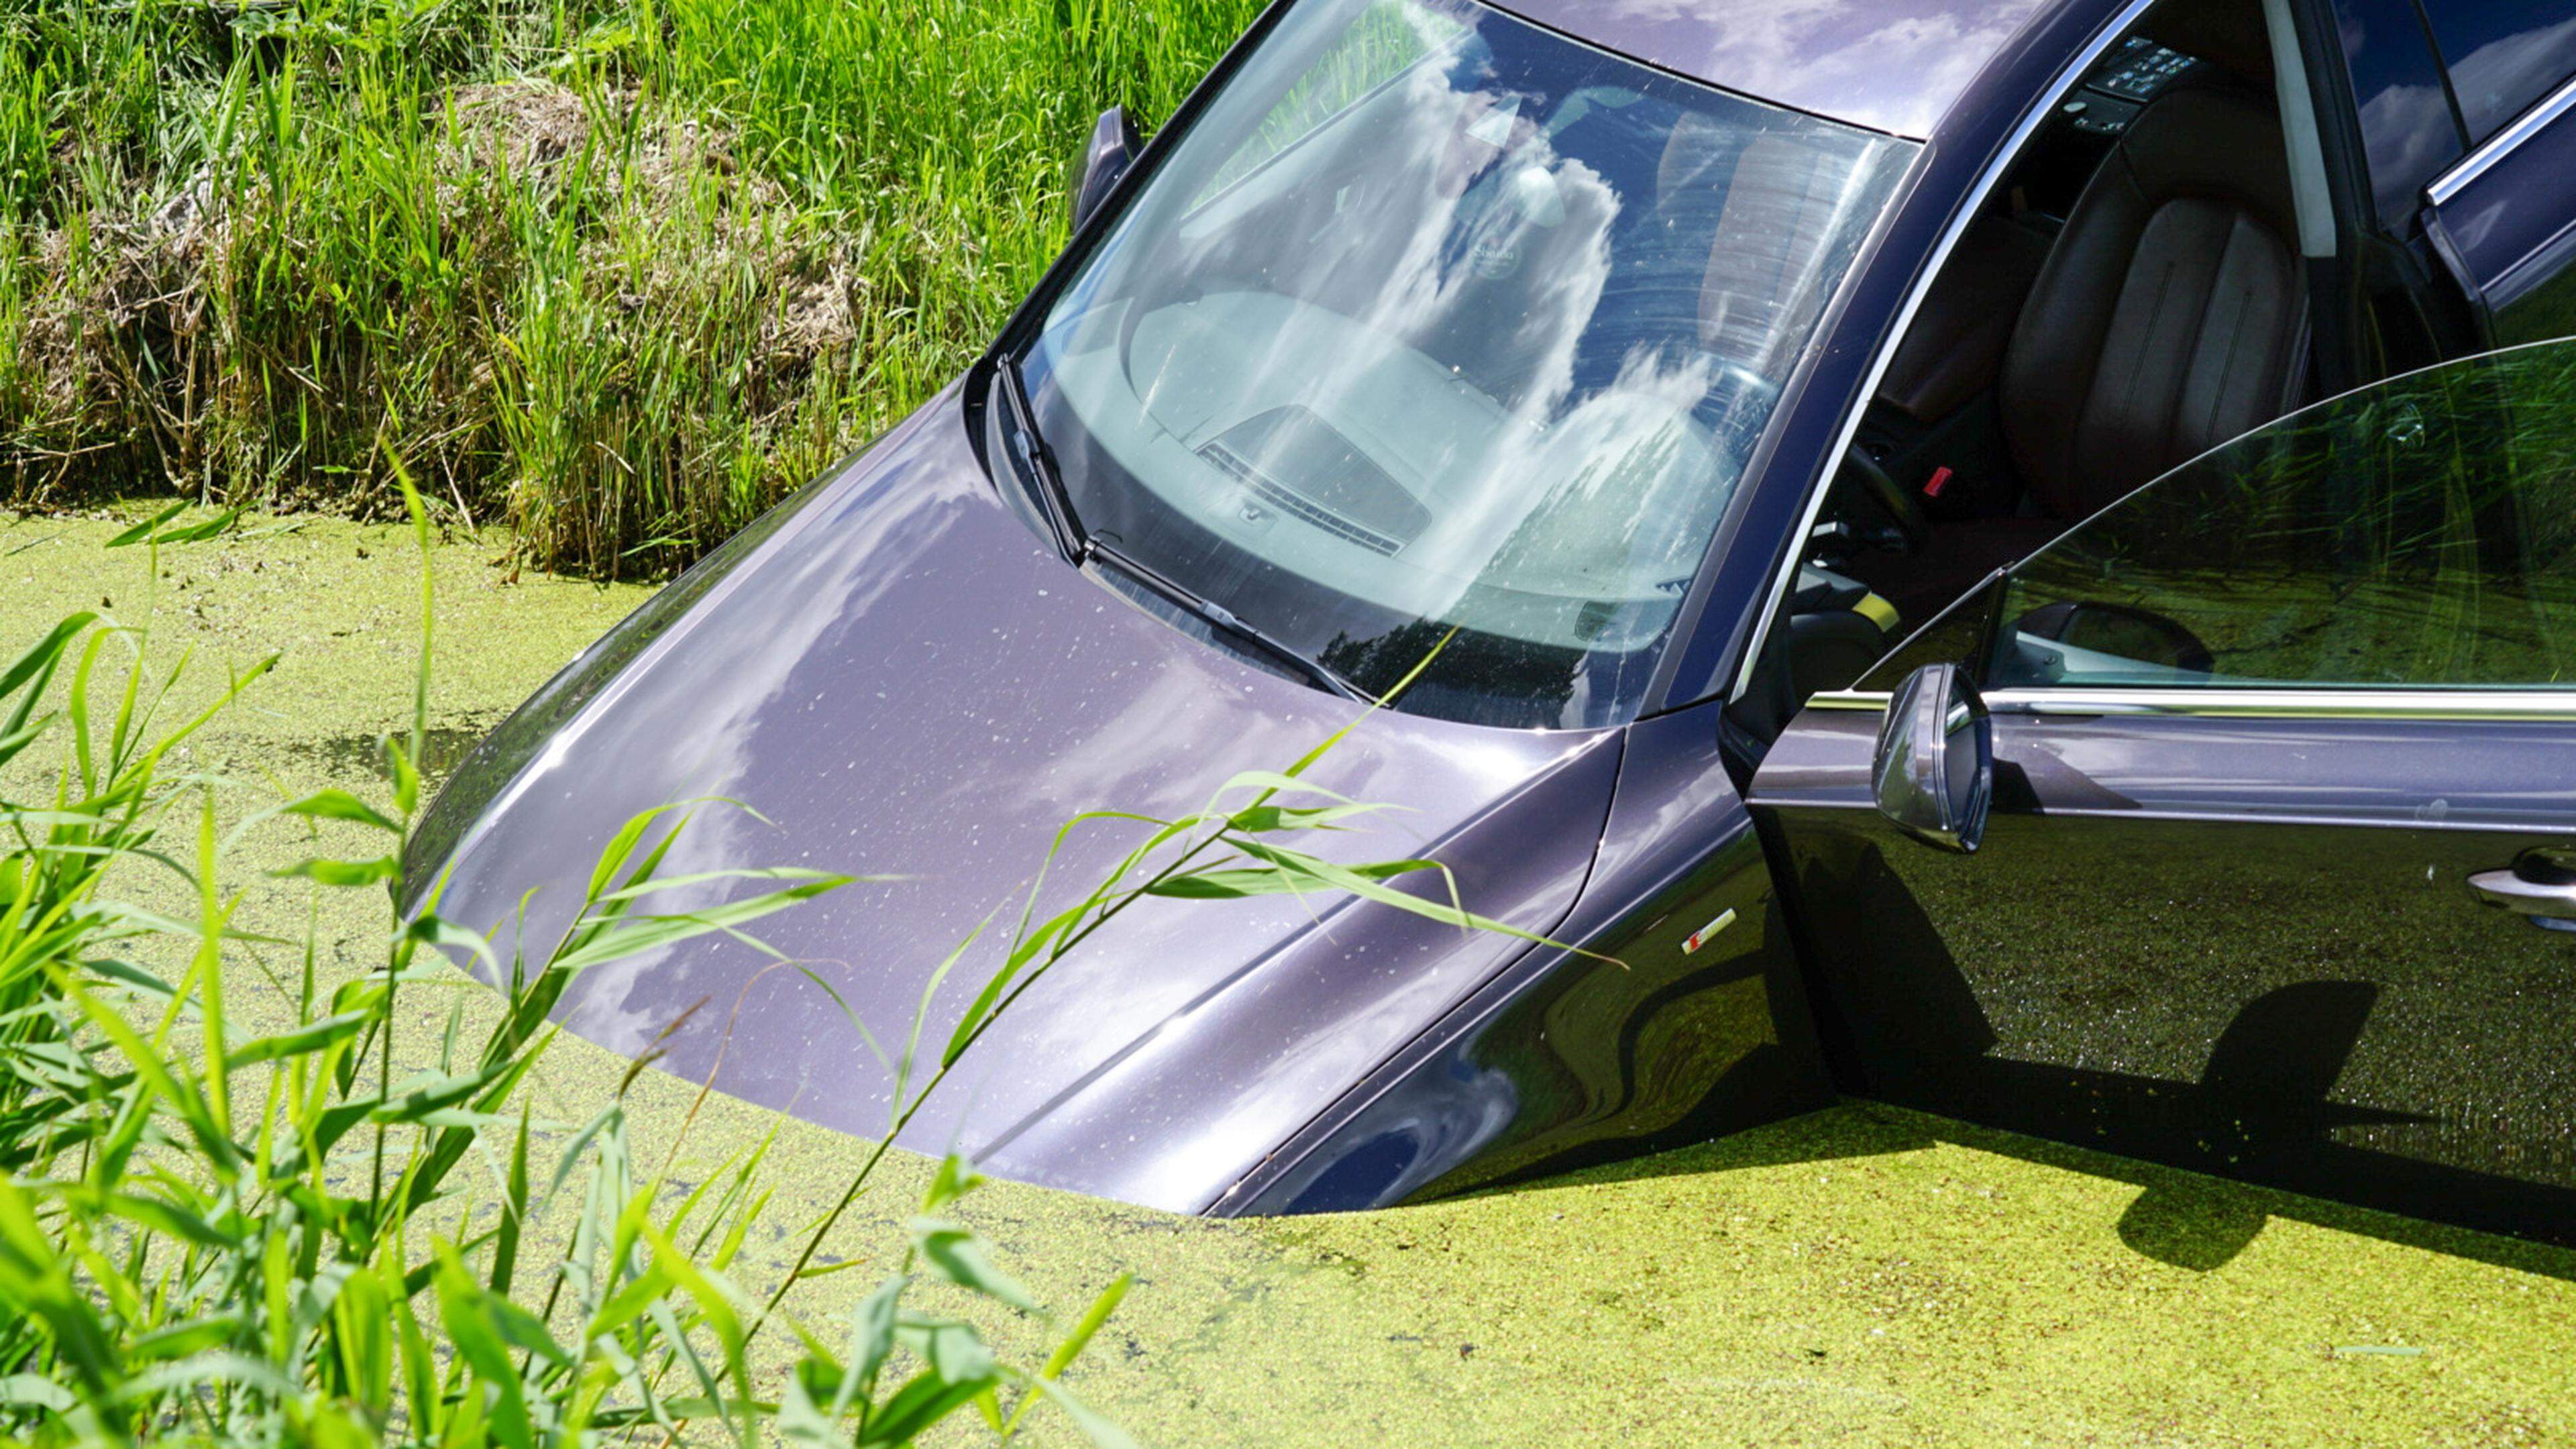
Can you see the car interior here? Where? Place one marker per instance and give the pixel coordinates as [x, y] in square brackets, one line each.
[2133, 294]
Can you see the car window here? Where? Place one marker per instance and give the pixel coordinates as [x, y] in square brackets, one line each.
[2416, 534]
[2504, 55]
[2408, 129]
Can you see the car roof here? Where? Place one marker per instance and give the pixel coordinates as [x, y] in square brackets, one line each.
[1890, 65]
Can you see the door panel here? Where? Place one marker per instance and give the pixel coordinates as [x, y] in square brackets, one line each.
[2256, 727]
[2510, 217]
[2244, 946]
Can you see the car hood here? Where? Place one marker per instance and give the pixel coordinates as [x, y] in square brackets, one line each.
[904, 681]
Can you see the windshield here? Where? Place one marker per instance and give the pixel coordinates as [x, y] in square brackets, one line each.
[1442, 336]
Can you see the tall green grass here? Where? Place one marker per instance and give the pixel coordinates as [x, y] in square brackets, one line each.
[343, 1232]
[619, 273]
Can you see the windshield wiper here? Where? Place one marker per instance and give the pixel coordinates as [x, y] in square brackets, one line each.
[1036, 470]
[1038, 473]
[1218, 616]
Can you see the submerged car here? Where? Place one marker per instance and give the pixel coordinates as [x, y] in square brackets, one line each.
[2015, 557]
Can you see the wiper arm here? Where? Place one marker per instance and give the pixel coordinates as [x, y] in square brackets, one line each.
[1219, 617]
[1037, 470]
[1038, 473]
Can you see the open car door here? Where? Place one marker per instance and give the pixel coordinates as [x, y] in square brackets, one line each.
[2237, 828]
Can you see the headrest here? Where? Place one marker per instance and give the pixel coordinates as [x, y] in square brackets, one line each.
[2229, 34]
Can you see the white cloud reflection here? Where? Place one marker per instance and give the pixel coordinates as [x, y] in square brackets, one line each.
[1895, 67]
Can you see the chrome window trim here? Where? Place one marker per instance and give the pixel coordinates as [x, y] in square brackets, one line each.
[2481, 824]
[2068, 78]
[2447, 187]
[2542, 705]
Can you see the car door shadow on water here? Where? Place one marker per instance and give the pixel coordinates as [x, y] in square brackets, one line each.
[2262, 1111]
[2180, 1217]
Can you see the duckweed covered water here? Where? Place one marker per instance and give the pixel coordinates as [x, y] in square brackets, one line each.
[1862, 1276]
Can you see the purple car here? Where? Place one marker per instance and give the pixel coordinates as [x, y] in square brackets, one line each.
[2012, 557]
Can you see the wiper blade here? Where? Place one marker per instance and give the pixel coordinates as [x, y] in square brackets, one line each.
[1038, 473]
[1036, 469]
[1218, 616]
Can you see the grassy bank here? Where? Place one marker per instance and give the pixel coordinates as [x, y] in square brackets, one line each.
[618, 273]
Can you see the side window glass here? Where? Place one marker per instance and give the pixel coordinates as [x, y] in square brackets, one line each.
[2504, 55]
[2417, 534]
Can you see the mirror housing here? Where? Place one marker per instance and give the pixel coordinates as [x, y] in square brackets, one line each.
[1934, 773]
[1104, 159]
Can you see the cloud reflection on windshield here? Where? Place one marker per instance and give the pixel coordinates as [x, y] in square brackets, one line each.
[1891, 67]
[1458, 322]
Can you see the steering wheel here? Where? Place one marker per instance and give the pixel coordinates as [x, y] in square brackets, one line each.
[1897, 523]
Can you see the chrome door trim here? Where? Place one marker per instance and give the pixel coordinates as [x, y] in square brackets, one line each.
[2447, 187]
[2040, 114]
[2543, 705]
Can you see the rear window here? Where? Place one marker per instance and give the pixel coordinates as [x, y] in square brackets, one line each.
[2504, 55]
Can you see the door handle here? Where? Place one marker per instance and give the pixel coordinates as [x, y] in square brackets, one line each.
[2515, 892]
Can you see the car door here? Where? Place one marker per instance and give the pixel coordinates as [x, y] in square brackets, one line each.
[2506, 212]
[2279, 875]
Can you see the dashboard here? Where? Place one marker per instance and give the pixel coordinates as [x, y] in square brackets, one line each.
[2113, 96]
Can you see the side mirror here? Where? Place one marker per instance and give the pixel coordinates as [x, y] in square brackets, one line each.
[2107, 636]
[1935, 769]
[1105, 157]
